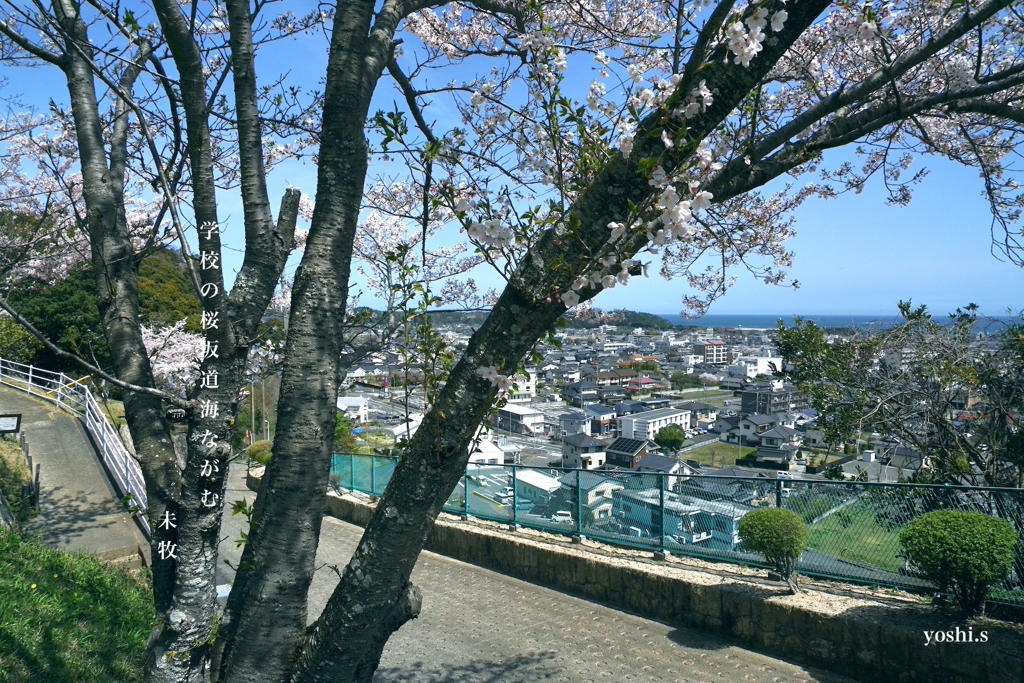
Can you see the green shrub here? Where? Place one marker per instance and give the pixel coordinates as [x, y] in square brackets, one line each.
[16, 344]
[962, 553]
[260, 452]
[779, 535]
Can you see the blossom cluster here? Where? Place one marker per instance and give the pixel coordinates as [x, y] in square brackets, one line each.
[174, 354]
[746, 42]
[699, 99]
[491, 374]
[491, 233]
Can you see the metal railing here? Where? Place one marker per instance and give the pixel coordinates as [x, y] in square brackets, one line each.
[853, 527]
[76, 398]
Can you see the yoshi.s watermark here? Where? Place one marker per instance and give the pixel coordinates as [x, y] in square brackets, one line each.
[958, 635]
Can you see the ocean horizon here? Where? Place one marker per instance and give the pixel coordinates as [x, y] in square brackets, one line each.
[760, 321]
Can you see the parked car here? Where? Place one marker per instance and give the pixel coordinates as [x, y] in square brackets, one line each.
[562, 517]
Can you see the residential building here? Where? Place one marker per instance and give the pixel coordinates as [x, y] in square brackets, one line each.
[656, 403]
[702, 415]
[651, 512]
[659, 464]
[526, 386]
[582, 451]
[602, 420]
[573, 423]
[752, 426]
[580, 394]
[605, 378]
[752, 366]
[775, 398]
[779, 444]
[486, 452]
[596, 495]
[647, 424]
[641, 385]
[628, 408]
[517, 419]
[611, 395]
[535, 485]
[627, 453]
[713, 352]
[355, 407]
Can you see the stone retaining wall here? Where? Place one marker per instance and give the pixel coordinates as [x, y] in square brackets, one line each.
[870, 640]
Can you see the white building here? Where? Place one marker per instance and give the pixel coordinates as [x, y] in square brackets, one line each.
[646, 425]
[582, 452]
[536, 486]
[486, 453]
[517, 419]
[752, 366]
[713, 351]
[355, 407]
[526, 386]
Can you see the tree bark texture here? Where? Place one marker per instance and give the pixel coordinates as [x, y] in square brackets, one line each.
[266, 614]
[117, 287]
[345, 643]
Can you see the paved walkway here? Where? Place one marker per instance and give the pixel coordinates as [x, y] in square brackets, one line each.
[79, 509]
[478, 626]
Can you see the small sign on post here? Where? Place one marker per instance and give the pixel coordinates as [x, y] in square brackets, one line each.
[10, 424]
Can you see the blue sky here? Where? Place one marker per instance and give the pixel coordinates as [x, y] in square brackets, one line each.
[854, 255]
[857, 256]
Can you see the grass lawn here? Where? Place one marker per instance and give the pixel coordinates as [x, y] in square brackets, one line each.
[114, 410]
[67, 617]
[853, 534]
[13, 475]
[716, 454]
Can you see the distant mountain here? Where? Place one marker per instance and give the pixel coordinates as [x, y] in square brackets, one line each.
[581, 320]
[595, 317]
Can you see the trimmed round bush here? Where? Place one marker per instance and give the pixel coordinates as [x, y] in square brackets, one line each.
[962, 553]
[779, 535]
[260, 452]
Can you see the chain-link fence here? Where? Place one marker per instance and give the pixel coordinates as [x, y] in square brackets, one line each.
[853, 526]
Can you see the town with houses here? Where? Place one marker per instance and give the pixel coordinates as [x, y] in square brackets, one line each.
[700, 411]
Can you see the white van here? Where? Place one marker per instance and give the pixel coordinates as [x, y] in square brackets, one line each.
[562, 517]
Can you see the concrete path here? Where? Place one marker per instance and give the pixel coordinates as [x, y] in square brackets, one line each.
[79, 509]
[478, 626]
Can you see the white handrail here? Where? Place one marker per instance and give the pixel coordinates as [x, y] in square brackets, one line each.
[75, 397]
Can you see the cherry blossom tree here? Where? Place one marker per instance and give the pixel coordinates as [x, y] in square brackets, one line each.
[564, 190]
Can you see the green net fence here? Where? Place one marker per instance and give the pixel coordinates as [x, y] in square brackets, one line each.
[853, 526]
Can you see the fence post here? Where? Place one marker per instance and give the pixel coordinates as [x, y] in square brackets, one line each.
[373, 476]
[352, 471]
[661, 492]
[465, 491]
[579, 509]
[778, 492]
[30, 379]
[515, 500]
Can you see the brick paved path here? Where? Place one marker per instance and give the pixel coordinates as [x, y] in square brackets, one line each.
[478, 626]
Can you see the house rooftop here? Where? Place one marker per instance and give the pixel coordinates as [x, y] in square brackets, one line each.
[659, 463]
[778, 432]
[583, 441]
[658, 414]
[624, 445]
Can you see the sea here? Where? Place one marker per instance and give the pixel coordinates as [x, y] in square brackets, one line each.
[759, 321]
